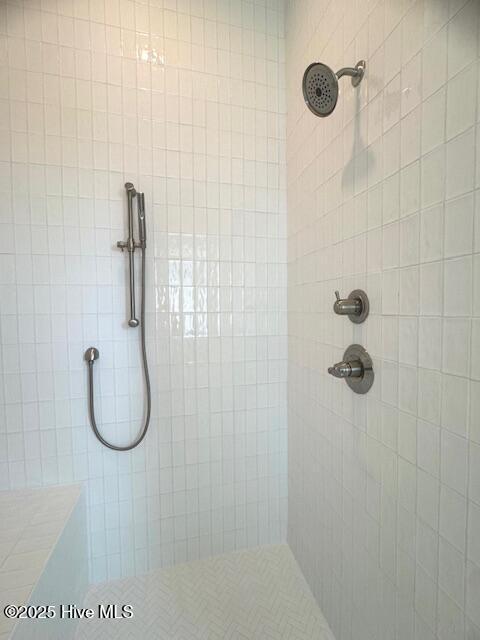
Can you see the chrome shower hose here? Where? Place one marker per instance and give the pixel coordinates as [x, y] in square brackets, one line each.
[92, 354]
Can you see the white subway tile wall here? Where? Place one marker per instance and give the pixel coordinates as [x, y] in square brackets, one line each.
[384, 195]
[187, 101]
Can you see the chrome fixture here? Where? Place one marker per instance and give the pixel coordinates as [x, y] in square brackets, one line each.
[356, 368]
[130, 245]
[356, 306]
[320, 85]
[92, 354]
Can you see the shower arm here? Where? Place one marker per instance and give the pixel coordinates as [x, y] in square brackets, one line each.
[356, 72]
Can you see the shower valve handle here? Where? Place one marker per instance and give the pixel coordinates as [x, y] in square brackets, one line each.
[352, 369]
[356, 306]
[348, 306]
[356, 369]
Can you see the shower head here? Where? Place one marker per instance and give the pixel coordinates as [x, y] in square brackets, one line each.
[320, 86]
[320, 89]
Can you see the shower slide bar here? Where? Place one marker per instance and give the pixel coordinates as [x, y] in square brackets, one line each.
[92, 354]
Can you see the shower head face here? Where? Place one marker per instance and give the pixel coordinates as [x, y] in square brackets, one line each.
[320, 89]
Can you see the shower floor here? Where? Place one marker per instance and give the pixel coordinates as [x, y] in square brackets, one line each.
[246, 595]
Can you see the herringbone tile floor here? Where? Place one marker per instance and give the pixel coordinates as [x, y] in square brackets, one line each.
[258, 594]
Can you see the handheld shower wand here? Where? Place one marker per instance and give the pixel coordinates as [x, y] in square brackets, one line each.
[142, 232]
[92, 354]
[130, 246]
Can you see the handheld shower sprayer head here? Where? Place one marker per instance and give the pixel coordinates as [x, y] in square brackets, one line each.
[142, 230]
[130, 189]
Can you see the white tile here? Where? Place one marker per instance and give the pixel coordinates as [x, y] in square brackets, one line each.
[435, 62]
[460, 171]
[476, 244]
[431, 289]
[420, 177]
[474, 483]
[429, 395]
[461, 112]
[453, 517]
[433, 121]
[218, 124]
[451, 575]
[458, 287]
[408, 340]
[459, 226]
[223, 608]
[407, 437]
[427, 549]
[116, 105]
[425, 597]
[412, 31]
[390, 337]
[428, 499]
[410, 140]
[450, 616]
[391, 246]
[409, 241]
[463, 38]
[393, 56]
[409, 290]
[472, 629]
[410, 189]
[455, 403]
[433, 176]
[435, 16]
[391, 198]
[432, 233]
[428, 447]
[392, 103]
[456, 346]
[391, 151]
[473, 586]
[411, 84]
[454, 461]
[473, 540]
[429, 344]
[390, 292]
[474, 432]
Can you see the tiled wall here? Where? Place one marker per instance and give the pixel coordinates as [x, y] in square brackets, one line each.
[186, 100]
[384, 195]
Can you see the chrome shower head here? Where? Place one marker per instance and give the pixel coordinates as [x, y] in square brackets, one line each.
[320, 86]
[320, 89]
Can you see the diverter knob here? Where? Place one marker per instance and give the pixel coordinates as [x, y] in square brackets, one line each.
[356, 306]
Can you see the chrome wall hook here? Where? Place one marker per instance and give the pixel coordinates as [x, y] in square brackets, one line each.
[356, 306]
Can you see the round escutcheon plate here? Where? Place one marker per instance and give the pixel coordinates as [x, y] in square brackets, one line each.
[363, 383]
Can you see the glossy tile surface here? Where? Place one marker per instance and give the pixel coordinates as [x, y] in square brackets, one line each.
[185, 100]
[383, 195]
[32, 525]
[254, 594]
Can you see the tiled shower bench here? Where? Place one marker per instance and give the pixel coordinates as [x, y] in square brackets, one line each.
[43, 557]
